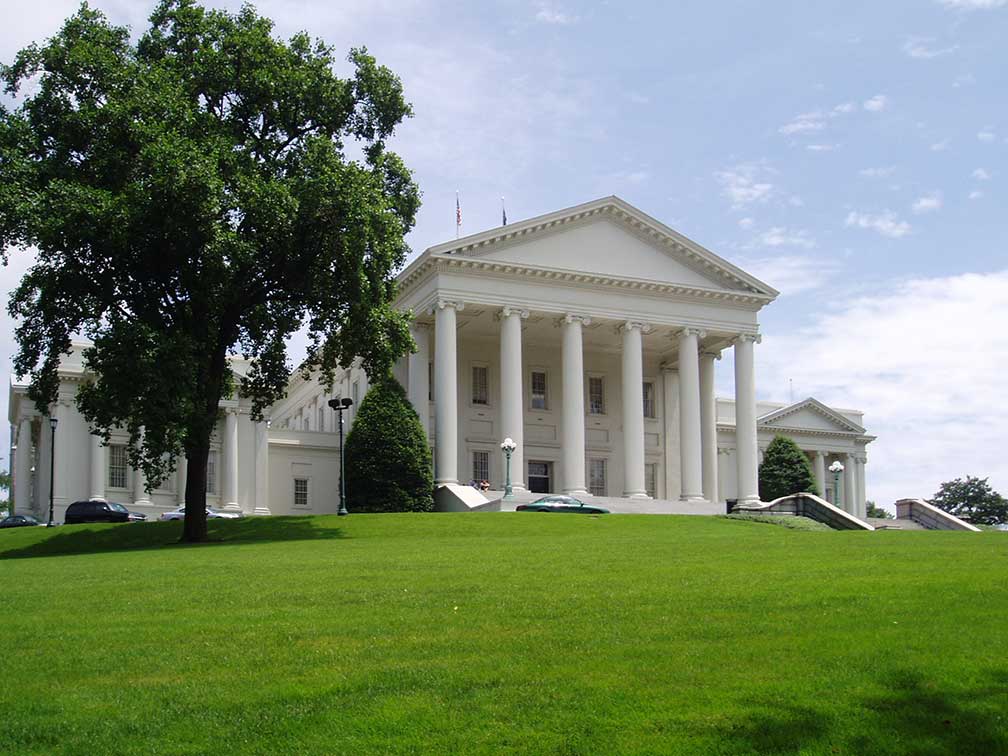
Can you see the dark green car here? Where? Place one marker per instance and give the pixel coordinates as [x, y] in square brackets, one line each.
[560, 503]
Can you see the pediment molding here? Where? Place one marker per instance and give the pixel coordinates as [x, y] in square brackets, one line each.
[770, 420]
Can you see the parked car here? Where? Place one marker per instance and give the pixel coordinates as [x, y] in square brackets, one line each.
[100, 511]
[19, 521]
[211, 513]
[560, 503]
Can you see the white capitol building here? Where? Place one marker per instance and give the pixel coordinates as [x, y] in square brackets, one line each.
[590, 336]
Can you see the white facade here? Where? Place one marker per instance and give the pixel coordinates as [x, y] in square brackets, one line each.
[590, 336]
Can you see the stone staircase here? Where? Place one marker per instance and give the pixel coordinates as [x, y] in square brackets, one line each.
[884, 524]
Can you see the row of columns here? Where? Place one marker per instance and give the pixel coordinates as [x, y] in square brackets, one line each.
[697, 410]
[853, 480]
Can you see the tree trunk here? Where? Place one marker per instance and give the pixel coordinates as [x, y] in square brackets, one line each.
[195, 523]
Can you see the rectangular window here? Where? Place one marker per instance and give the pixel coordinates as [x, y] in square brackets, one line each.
[539, 390]
[481, 466]
[211, 473]
[356, 394]
[300, 492]
[430, 381]
[596, 477]
[596, 395]
[321, 419]
[480, 387]
[117, 466]
[651, 479]
[649, 399]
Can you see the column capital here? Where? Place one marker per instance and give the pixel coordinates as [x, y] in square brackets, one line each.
[715, 353]
[573, 317]
[632, 324]
[420, 325]
[441, 304]
[851, 457]
[755, 338]
[668, 367]
[690, 331]
[819, 453]
[507, 311]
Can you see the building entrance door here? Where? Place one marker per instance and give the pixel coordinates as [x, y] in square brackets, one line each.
[540, 477]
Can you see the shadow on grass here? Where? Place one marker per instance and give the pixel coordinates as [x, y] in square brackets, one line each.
[93, 539]
[911, 717]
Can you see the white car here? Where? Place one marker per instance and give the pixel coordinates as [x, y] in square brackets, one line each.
[179, 514]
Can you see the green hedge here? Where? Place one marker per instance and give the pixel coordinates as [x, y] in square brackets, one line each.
[785, 471]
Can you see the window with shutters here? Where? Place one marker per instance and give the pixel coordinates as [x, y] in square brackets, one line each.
[597, 477]
[596, 395]
[117, 466]
[300, 492]
[481, 466]
[539, 396]
[211, 473]
[649, 399]
[651, 479]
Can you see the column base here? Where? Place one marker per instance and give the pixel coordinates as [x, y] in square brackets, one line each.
[445, 482]
[137, 503]
[749, 501]
[693, 499]
[261, 512]
[576, 492]
[638, 495]
[231, 506]
[102, 498]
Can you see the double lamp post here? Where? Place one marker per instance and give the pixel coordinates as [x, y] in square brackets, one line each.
[340, 405]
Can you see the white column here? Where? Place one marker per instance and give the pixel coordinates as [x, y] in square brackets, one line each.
[230, 498]
[23, 465]
[97, 468]
[419, 378]
[262, 466]
[446, 392]
[670, 407]
[849, 484]
[819, 468]
[512, 379]
[708, 426]
[634, 485]
[573, 415]
[745, 419]
[862, 497]
[689, 415]
[140, 495]
[181, 473]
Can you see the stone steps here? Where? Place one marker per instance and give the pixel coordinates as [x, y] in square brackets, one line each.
[883, 524]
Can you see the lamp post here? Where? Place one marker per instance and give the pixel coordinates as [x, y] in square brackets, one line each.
[836, 468]
[52, 468]
[339, 405]
[508, 446]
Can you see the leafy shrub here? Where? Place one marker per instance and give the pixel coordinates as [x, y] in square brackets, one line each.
[791, 522]
[387, 457]
[785, 471]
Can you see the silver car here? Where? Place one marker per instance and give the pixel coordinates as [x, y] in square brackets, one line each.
[211, 513]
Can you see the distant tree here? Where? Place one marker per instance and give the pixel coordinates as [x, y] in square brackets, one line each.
[878, 512]
[5, 484]
[972, 500]
[207, 189]
[785, 471]
[388, 461]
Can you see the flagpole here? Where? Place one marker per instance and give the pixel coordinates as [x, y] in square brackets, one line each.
[458, 215]
[503, 213]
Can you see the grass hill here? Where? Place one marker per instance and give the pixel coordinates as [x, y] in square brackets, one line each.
[502, 633]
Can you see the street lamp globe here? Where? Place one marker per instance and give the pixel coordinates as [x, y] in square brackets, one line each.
[836, 467]
[508, 445]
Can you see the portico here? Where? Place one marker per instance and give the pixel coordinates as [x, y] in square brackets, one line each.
[590, 337]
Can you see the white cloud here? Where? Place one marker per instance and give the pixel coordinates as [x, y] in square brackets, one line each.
[964, 80]
[928, 203]
[986, 135]
[791, 274]
[844, 107]
[804, 123]
[550, 15]
[973, 4]
[822, 147]
[924, 359]
[746, 222]
[976, 194]
[918, 47]
[876, 103]
[882, 172]
[981, 175]
[745, 184]
[940, 146]
[886, 223]
[778, 236]
[795, 201]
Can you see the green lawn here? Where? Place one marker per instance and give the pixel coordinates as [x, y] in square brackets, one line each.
[503, 633]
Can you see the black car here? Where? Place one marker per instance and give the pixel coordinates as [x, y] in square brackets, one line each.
[100, 511]
[19, 521]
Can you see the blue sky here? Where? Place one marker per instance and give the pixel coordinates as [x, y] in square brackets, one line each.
[851, 154]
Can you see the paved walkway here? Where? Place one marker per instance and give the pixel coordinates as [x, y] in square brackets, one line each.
[614, 504]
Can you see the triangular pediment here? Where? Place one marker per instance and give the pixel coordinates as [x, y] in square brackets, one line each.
[606, 238]
[810, 414]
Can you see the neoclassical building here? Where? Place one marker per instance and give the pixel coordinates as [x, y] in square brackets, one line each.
[590, 336]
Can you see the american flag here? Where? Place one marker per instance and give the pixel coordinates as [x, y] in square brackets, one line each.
[458, 213]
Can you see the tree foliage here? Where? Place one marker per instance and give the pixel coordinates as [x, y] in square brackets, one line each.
[785, 471]
[871, 510]
[388, 461]
[972, 500]
[190, 195]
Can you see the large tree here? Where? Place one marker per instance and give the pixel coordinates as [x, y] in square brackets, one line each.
[207, 189]
[972, 500]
